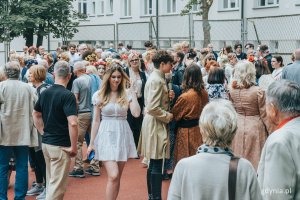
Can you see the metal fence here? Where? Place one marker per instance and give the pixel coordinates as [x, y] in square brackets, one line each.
[281, 33]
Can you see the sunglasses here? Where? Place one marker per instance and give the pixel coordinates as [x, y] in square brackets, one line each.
[211, 59]
[135, 60]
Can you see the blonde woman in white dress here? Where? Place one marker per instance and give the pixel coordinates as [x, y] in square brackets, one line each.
[111, 136]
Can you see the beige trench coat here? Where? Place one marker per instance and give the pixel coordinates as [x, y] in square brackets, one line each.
[16, 121]
[154, 140]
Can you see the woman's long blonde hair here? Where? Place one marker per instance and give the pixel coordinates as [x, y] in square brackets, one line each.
[104, 93]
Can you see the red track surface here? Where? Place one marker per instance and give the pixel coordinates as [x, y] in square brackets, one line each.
[133, 185]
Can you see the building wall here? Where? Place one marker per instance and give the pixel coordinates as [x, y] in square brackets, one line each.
[278, 26]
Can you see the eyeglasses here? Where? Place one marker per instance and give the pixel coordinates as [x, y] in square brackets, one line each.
[135, 60]
[211, 59]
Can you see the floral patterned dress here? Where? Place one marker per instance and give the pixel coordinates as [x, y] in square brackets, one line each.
[216, 91]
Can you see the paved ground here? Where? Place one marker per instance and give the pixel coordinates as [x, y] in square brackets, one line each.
[133, 185]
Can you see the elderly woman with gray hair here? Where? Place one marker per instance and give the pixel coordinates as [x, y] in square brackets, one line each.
[249, 102]
[207, 174]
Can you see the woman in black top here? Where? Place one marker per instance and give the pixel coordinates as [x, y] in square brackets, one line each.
[138, 81]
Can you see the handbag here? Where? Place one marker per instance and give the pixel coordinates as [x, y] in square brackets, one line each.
[234, 161]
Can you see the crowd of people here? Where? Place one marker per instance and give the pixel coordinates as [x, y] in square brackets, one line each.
[197, 117]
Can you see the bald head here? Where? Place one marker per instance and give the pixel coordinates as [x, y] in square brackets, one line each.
[297, 54]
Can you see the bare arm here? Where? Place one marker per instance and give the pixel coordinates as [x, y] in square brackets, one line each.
[73, 132]
[38, 121]
[135, 108]
[95, 127]
[77, 99]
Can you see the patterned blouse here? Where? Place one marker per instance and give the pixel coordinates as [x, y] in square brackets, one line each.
[216, 91]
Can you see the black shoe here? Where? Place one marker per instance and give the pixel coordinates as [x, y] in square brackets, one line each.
[77, 173]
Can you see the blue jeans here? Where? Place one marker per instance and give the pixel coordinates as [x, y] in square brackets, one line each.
[21, 159]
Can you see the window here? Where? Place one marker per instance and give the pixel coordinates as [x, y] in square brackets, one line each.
[148, 7]
[93, 8]
[262, 3]
[171, 6]
[110, 6]
[127, 8]
[195, 8]
[82, 7]
[229, 4]
[101, 7]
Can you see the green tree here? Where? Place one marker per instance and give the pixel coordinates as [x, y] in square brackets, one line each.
[204, 6]
[38, 17]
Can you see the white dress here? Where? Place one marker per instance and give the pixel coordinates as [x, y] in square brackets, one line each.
[114, 140]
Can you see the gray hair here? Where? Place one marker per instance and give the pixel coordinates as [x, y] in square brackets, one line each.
[297, 54]
[62, 69]
[285, 95]
[12, 69]
[218, 123]
[244, 74]
[44, 63]
[82, 46]
[79, 65]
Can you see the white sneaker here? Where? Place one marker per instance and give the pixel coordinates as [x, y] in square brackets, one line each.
[35, 190]
[42, 196]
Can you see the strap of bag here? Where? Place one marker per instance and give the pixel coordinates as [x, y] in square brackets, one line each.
[232, 177]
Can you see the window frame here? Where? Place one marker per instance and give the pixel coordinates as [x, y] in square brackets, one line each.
[171, 6]
[110, 7]
[147, 7]
[100, 8]
[93, 8]
[228, 8]
[81, 8]
[126, 8]
[267, 3]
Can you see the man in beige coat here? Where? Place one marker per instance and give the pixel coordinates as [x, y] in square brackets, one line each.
[155, 145]
[279, 166]
[17, 131]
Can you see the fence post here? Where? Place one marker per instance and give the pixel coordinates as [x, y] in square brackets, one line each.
[150, 32]
[190, 30]
[242, 24]
[116, 34]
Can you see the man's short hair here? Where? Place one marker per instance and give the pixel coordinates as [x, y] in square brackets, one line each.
[62, 69]
[285, 95]
[79, 66]
[264, 48]
[148, 44]
[12, 69]
[237, 46]
[129, 46]
[250, 45]
[72, 46]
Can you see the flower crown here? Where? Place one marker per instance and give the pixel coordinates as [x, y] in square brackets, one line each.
[91, 57]
[100, 63]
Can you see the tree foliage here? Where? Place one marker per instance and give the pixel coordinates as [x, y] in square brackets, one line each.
[204, 6]
[38, 17]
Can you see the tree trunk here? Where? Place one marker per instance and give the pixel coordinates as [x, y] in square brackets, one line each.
[206, 28]
[40, 36]
[28, 35]
[205, 23]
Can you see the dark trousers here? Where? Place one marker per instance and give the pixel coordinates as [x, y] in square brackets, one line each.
[154, 179]
[136, 123]
[39, 165]
[21, 159]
